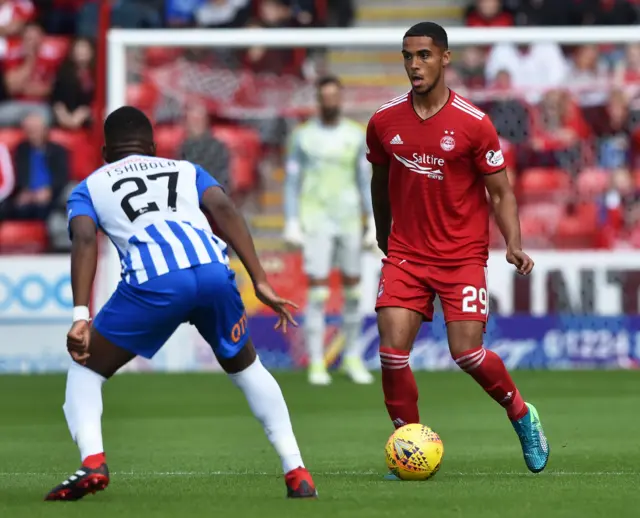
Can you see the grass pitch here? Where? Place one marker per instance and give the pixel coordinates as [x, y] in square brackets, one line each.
[185, 445]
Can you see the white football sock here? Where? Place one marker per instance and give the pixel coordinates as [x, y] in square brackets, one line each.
[352, 323]
[83, 409]
[268, 405]
[315, 325]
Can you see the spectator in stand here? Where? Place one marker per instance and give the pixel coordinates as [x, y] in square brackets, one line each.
[30, 70]
[560, 133]
[613, 133]
[471, 67]
[628, 69]
[615, 209]
[588, 76]
[607, 12]
[276, 13]
[42, 169]
[14, 14]
[202, 148]
[272, 13]
[74, 88]
[545, 12]
[223, 13]
[533, 68]
[488, 13]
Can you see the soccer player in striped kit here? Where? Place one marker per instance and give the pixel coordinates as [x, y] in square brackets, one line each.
[174, 270]
[326, 195]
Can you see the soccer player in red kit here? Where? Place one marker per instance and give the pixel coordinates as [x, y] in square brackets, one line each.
[434, 154]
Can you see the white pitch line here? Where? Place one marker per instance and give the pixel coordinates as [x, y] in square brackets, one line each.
[134, 474]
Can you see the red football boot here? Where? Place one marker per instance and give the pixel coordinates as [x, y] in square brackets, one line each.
[92, 477]
[300, 484]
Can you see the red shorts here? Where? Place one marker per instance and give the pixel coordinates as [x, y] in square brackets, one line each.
[462, 289]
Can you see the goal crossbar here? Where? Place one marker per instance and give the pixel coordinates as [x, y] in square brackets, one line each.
[121, 39]
[361, 36]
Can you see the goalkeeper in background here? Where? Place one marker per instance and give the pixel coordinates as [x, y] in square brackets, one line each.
[326, 193]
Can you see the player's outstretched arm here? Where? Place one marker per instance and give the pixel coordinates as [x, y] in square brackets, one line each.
[505, 209]
[233, 225]
[381, 205]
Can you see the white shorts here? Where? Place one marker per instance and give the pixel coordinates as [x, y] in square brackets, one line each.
[323, 251]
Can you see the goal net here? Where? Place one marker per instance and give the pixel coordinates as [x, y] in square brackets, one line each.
[565, 101]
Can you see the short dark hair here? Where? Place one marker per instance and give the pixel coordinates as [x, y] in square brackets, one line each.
[328, 80]
[126, 124]
[430, 30]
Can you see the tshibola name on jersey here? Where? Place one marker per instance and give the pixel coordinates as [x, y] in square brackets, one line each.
[135, 167]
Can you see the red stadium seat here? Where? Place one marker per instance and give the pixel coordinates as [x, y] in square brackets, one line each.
[535, 230]
[11, 137]
[244, 147]
[144, 96]
[18, 237]
[588, 213]
[168, 140]
[539, 183]
[83, 157]
[593, 182]
[576, 231]
[542, 214]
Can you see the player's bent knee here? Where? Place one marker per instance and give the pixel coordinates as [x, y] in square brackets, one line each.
[398, 327]
[464, 335]
[241, 361]
[106, 358]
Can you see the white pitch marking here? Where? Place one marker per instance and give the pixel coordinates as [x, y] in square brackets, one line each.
[135, 474]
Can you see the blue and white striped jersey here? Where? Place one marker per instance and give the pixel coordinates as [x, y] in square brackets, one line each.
[150, 209]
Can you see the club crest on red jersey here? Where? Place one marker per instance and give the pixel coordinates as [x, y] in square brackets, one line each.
[448, 143]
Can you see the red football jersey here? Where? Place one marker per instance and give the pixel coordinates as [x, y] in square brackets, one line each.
[439, 206]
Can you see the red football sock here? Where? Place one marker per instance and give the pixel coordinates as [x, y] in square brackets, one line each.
[94, 461]
[399, 386]
[488, 369]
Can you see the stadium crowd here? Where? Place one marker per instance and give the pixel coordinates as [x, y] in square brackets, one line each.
[569, 117]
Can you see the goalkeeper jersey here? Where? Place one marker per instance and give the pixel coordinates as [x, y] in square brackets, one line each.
[327, 186]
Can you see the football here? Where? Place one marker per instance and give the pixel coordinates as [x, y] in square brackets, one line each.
[414, 452]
